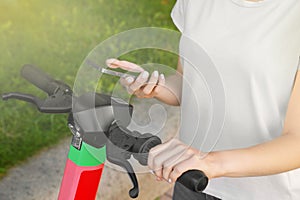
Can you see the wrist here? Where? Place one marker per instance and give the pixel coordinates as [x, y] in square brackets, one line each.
[216, 165]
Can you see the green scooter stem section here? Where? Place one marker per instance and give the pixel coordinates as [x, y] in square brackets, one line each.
[87, 155]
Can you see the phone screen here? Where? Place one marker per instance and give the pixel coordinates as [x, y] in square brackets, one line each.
[108, 71]
[115, 73]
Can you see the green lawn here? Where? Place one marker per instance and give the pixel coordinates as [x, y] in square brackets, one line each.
[57, 35]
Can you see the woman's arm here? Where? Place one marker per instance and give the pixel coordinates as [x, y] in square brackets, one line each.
[279, 155]
[167, 90]
[282, 154]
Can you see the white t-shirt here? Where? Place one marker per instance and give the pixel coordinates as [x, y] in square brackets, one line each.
[255, 47]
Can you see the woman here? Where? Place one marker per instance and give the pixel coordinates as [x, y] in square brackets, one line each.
[255, 45]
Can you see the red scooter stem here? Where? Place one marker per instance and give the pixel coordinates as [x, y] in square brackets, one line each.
[82, 173]
[80, 182]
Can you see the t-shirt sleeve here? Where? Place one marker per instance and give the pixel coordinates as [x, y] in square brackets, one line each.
[177, 14]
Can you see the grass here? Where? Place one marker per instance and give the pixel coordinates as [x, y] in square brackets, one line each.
[57, 35]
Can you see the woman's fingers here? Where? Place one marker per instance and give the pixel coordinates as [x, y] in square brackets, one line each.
[156, 151]
[126, 81]
[160, 161]
[178, 157]
[153, 87]
[193, 162]
[123, 64]
[169, 160]
[151, 83]
[139, 82]
[165, 162]
[163, 157]
[141, 87]
[160, 85]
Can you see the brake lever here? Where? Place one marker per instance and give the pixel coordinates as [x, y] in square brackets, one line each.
[59, 98]
[122, 144]
[119, 157]
[52, 104]
[118, 151]
[23, 97]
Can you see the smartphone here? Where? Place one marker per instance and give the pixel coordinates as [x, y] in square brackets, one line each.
[108, 71]
[114, 73]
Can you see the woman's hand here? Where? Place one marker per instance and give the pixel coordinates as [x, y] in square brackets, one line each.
[142, 86]
[170, 160]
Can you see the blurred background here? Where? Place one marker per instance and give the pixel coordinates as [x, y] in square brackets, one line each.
[57, 35]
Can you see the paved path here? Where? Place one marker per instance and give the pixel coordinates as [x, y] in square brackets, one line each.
[167, 195]
[40, 176]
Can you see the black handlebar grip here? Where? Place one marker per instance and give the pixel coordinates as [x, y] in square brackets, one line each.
[194, 180]
[39, 78]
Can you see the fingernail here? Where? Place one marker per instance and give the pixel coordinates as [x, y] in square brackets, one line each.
[169, 181]
[145, 74]
[162, 76]
[129, 79]
[155, 74]
[110, 61]
[151, 171]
